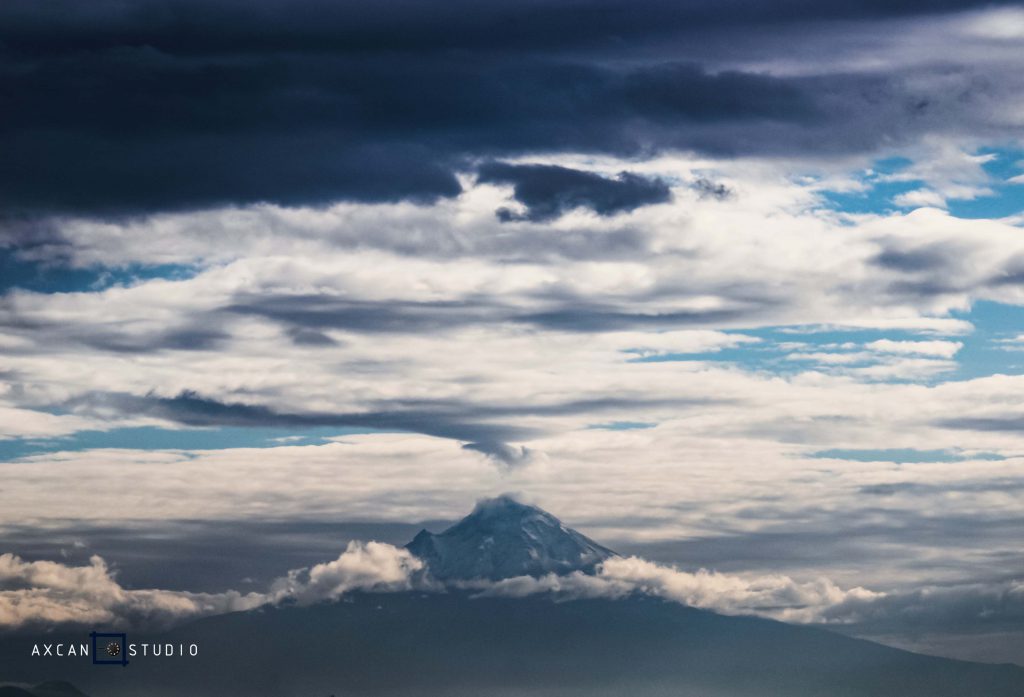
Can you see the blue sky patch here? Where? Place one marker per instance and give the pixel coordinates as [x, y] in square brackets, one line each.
[154, 438]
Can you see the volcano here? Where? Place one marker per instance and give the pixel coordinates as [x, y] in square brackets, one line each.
[455, 641]
[503, 538]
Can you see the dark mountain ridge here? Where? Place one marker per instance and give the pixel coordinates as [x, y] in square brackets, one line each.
[456, 645]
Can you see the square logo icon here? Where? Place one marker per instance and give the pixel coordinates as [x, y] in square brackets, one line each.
[109, 648]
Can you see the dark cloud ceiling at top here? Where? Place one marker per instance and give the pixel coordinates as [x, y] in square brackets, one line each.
[203, 26]
[113, 108]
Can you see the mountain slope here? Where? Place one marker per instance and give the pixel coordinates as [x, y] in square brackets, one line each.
[503, 538]
[52, 688]
[454, 645]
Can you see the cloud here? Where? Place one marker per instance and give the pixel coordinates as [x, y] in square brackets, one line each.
[953, 608]
[503, 453]
[270, 219]
[46, 593]
[884, 359]
[1004, 24]
[337, 127]
[920, 198]
[192, 409]
[549, 191]
[371, 566]
[997, 422]
[49, 593]
[647, 344]
[353, 103]
[929, 257]
[942, 349]
[776, 596]
[707, 188]
[900, 615]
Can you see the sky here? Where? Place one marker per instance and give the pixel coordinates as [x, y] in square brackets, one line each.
[735, 286]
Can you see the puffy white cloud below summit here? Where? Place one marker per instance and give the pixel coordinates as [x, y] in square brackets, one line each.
[776, 596]
[369, 566]
[46, 593]
[49, 593]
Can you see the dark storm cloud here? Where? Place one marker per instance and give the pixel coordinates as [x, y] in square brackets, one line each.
[566, 313]
[114, 108]
[200, 26]
[134, 131]
[482, 427]
[548, 191]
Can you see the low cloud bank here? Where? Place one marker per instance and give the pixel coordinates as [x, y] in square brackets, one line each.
[780, 597]
[47, 593]
[775, 596]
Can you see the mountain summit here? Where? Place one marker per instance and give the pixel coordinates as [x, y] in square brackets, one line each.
[503, 538]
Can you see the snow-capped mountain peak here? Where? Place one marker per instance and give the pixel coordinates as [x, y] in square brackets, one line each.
[503, 538]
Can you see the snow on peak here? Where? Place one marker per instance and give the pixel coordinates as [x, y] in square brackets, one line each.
[503, 538]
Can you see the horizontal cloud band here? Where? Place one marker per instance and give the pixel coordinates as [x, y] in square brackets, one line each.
[44, 593]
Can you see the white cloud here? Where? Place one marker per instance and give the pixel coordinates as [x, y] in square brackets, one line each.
[775, 596]
[48, 593]
[1005, 24]
[905, 369]
[828, 358]
[371, 566]
[29, 423]
[885, 359]
[942, 349]
[678, 341]
[1014, 343]
[920, 198]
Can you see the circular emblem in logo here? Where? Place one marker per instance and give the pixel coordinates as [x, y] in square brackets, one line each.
[113, 649]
